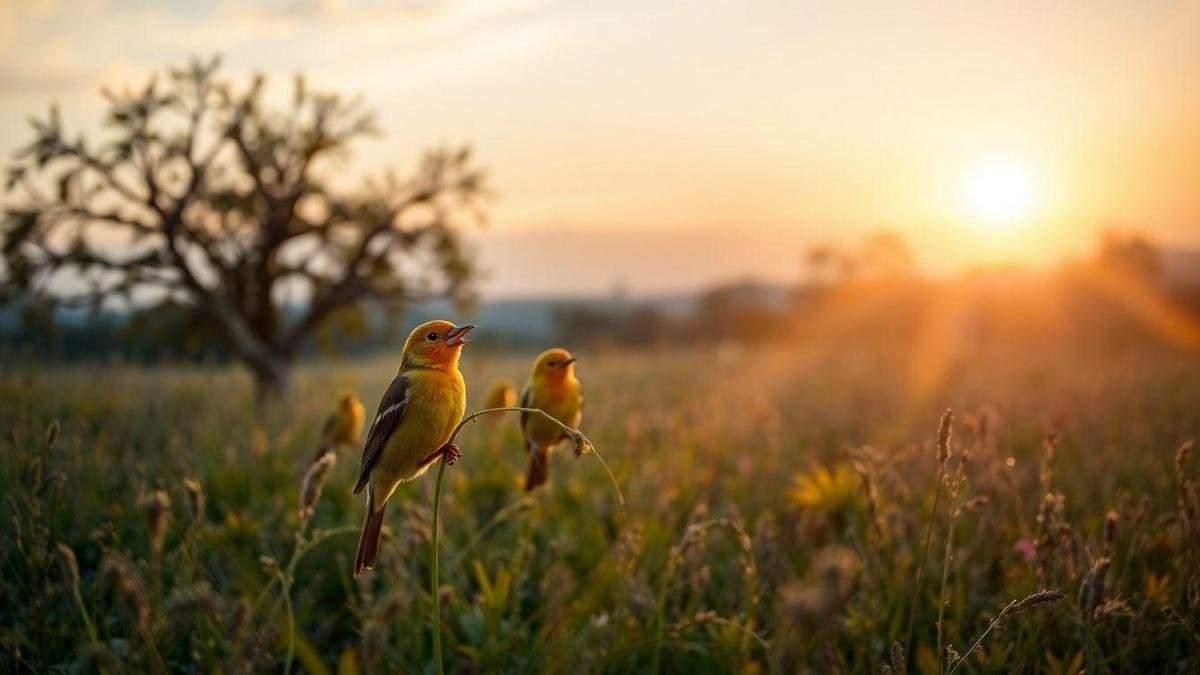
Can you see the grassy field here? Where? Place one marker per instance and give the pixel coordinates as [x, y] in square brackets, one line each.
[778, 507]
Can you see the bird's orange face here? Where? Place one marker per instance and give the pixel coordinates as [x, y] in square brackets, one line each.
[435, 344]
[347, 401]
[554, 365]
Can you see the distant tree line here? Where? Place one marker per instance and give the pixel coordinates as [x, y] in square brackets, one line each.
[1115, 297]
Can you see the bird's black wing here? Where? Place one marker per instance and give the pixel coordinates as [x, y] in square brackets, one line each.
[387, 419]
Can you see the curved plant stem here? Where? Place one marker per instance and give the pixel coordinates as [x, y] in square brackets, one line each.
[436, 612]
[435, 597]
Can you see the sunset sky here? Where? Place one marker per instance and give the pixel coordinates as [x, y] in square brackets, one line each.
[662, 146]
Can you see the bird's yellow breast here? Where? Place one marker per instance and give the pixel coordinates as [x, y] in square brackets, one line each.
[436, 402]
[563, 401]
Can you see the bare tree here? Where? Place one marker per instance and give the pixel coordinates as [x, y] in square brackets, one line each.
[204, 195]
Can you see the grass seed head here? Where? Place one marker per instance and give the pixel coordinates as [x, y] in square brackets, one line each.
[156, 507]
[128, 589]
[945, 432]
[580, 443]
[70, 565]
[195, 499]
[952, 656]
[1046, 472]
[1091, 589]
[52, 432]
[899, 664]
[313, 483]
[1043, 597]
[1181, 459]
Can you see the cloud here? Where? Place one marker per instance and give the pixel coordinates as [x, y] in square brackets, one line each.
[51, 48]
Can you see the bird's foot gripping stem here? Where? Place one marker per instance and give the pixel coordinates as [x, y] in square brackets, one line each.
[450, 451]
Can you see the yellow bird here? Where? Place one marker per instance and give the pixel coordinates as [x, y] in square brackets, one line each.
[412, 428]
[501, 394]
[343, 426]
[554, 389]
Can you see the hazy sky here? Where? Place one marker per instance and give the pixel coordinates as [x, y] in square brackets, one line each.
[660, 146]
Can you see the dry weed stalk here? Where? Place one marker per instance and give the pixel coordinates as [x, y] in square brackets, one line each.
[696, 533]
[1013, 608]
[955, 490]
[314, 482]
[129, 590]
[196, 503]
[943, 456]
[1189, 502]
[156, 507]
[71, 567]
[1091, 589]
[861, 460]
[899, 663]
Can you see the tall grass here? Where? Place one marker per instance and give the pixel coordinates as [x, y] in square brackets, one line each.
[199, 544]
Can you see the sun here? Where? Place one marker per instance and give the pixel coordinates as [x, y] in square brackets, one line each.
[1000, 193]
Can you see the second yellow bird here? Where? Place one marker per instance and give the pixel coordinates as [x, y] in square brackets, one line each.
[553, 388]
[343, 426]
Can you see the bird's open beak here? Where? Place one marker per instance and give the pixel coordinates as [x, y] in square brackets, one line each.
[568, 361]
[458, 336]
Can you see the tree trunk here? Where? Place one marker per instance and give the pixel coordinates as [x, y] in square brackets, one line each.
[272, 379]
[270, 367]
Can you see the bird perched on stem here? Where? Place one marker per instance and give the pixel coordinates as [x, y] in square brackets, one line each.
[343, 426]
[416, 416]
[553, 388]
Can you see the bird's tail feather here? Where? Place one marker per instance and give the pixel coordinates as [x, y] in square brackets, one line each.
[539, 468]
[368, 541]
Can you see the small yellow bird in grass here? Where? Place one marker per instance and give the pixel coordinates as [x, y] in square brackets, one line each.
[343, 426]
[502, 394]
[554, 389]
[412, 428]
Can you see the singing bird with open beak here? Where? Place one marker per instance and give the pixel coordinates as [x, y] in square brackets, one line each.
[412, 427]
[554, 389]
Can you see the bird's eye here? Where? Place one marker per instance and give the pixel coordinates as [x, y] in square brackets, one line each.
[552, 364]
[432, 337]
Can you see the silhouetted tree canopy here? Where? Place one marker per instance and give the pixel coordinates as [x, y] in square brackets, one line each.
[202, 195]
